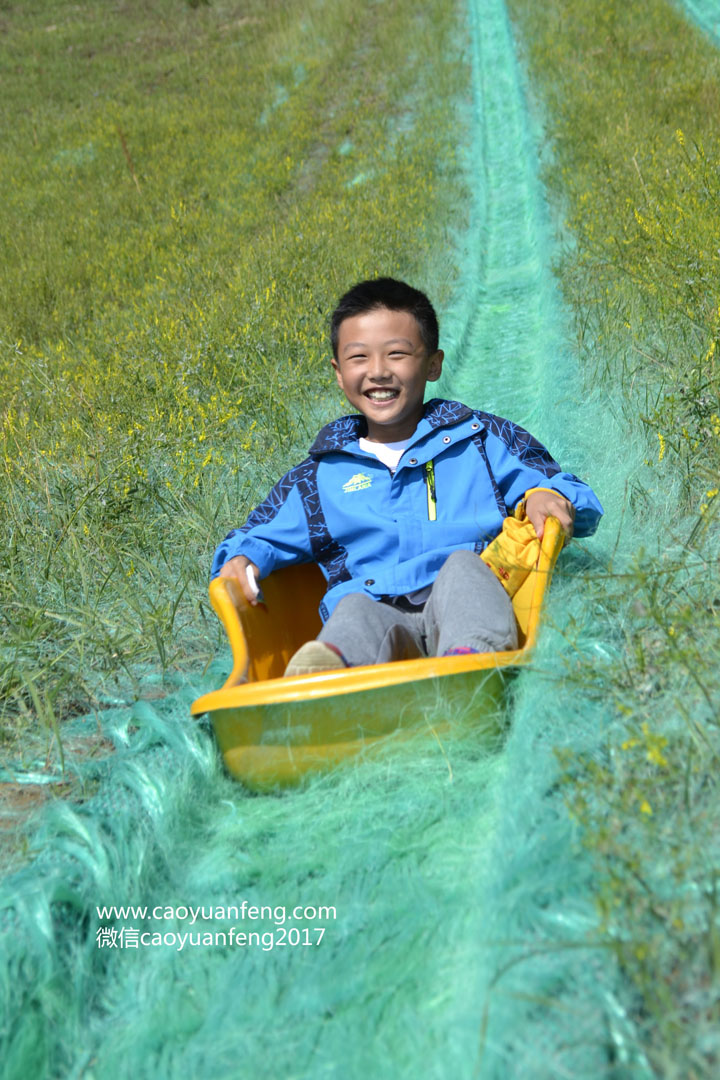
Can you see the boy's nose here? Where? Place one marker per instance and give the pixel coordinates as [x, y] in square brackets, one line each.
[377, 368]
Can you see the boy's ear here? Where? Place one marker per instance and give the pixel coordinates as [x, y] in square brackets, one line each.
[435, 366]
[338, 376]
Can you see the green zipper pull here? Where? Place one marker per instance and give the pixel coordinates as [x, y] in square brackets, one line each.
[429, 470]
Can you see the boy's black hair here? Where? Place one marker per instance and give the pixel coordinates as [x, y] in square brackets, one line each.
[388, 293]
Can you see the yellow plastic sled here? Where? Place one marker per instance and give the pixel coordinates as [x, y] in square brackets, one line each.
[271, 730]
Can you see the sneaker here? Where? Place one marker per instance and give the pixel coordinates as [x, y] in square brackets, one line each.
[314, 656]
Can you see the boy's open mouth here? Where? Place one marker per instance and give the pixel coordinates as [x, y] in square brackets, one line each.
[381, 395]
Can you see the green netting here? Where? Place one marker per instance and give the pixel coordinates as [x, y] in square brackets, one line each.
[707, 15]
[465, 942]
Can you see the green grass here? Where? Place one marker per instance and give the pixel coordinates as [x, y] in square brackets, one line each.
[630, 96]
[187, 190]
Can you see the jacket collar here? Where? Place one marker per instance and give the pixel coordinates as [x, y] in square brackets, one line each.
[348, 429]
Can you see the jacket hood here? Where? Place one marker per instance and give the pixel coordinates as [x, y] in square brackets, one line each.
[437, 413]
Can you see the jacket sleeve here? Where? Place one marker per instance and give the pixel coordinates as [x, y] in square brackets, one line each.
[275, 534]
[519, 462]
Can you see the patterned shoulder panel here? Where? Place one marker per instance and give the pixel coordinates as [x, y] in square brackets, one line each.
[440, 413]
[325, 549]
[272, 505]
[520, 443]
[339, 433]
[262, 514]
[478, 441]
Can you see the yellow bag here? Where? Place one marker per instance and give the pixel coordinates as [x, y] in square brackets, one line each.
[514, 552]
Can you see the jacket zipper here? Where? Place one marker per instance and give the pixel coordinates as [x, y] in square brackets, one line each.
[429, 470]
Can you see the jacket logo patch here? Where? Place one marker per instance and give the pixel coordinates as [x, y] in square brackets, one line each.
[358, 482]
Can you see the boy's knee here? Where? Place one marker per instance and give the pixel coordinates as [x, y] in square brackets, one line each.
[460, 563]
[354, 603]
[461, 558]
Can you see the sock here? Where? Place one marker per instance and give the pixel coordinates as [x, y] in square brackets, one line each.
[337, 652]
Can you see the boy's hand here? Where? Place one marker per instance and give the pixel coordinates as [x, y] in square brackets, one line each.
[237, 569]
[542, 504]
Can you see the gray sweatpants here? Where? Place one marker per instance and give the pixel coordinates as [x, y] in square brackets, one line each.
[467, 608]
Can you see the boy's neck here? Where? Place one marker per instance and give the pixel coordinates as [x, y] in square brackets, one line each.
[390, 433]
[386, 442]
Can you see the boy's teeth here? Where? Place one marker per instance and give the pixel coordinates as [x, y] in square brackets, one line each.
[381, 395]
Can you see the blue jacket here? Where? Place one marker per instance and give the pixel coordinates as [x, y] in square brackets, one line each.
[372, 531]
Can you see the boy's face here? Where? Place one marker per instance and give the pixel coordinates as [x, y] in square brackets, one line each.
[382, 367]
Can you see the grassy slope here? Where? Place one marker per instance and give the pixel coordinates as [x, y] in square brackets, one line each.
[630, 96]
[187, 190]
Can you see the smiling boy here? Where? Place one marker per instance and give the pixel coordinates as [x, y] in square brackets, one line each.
[395, 503]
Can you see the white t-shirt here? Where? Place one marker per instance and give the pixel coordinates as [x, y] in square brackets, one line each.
[390, 454]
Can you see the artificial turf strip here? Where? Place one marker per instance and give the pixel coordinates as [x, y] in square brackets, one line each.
[706, 14]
